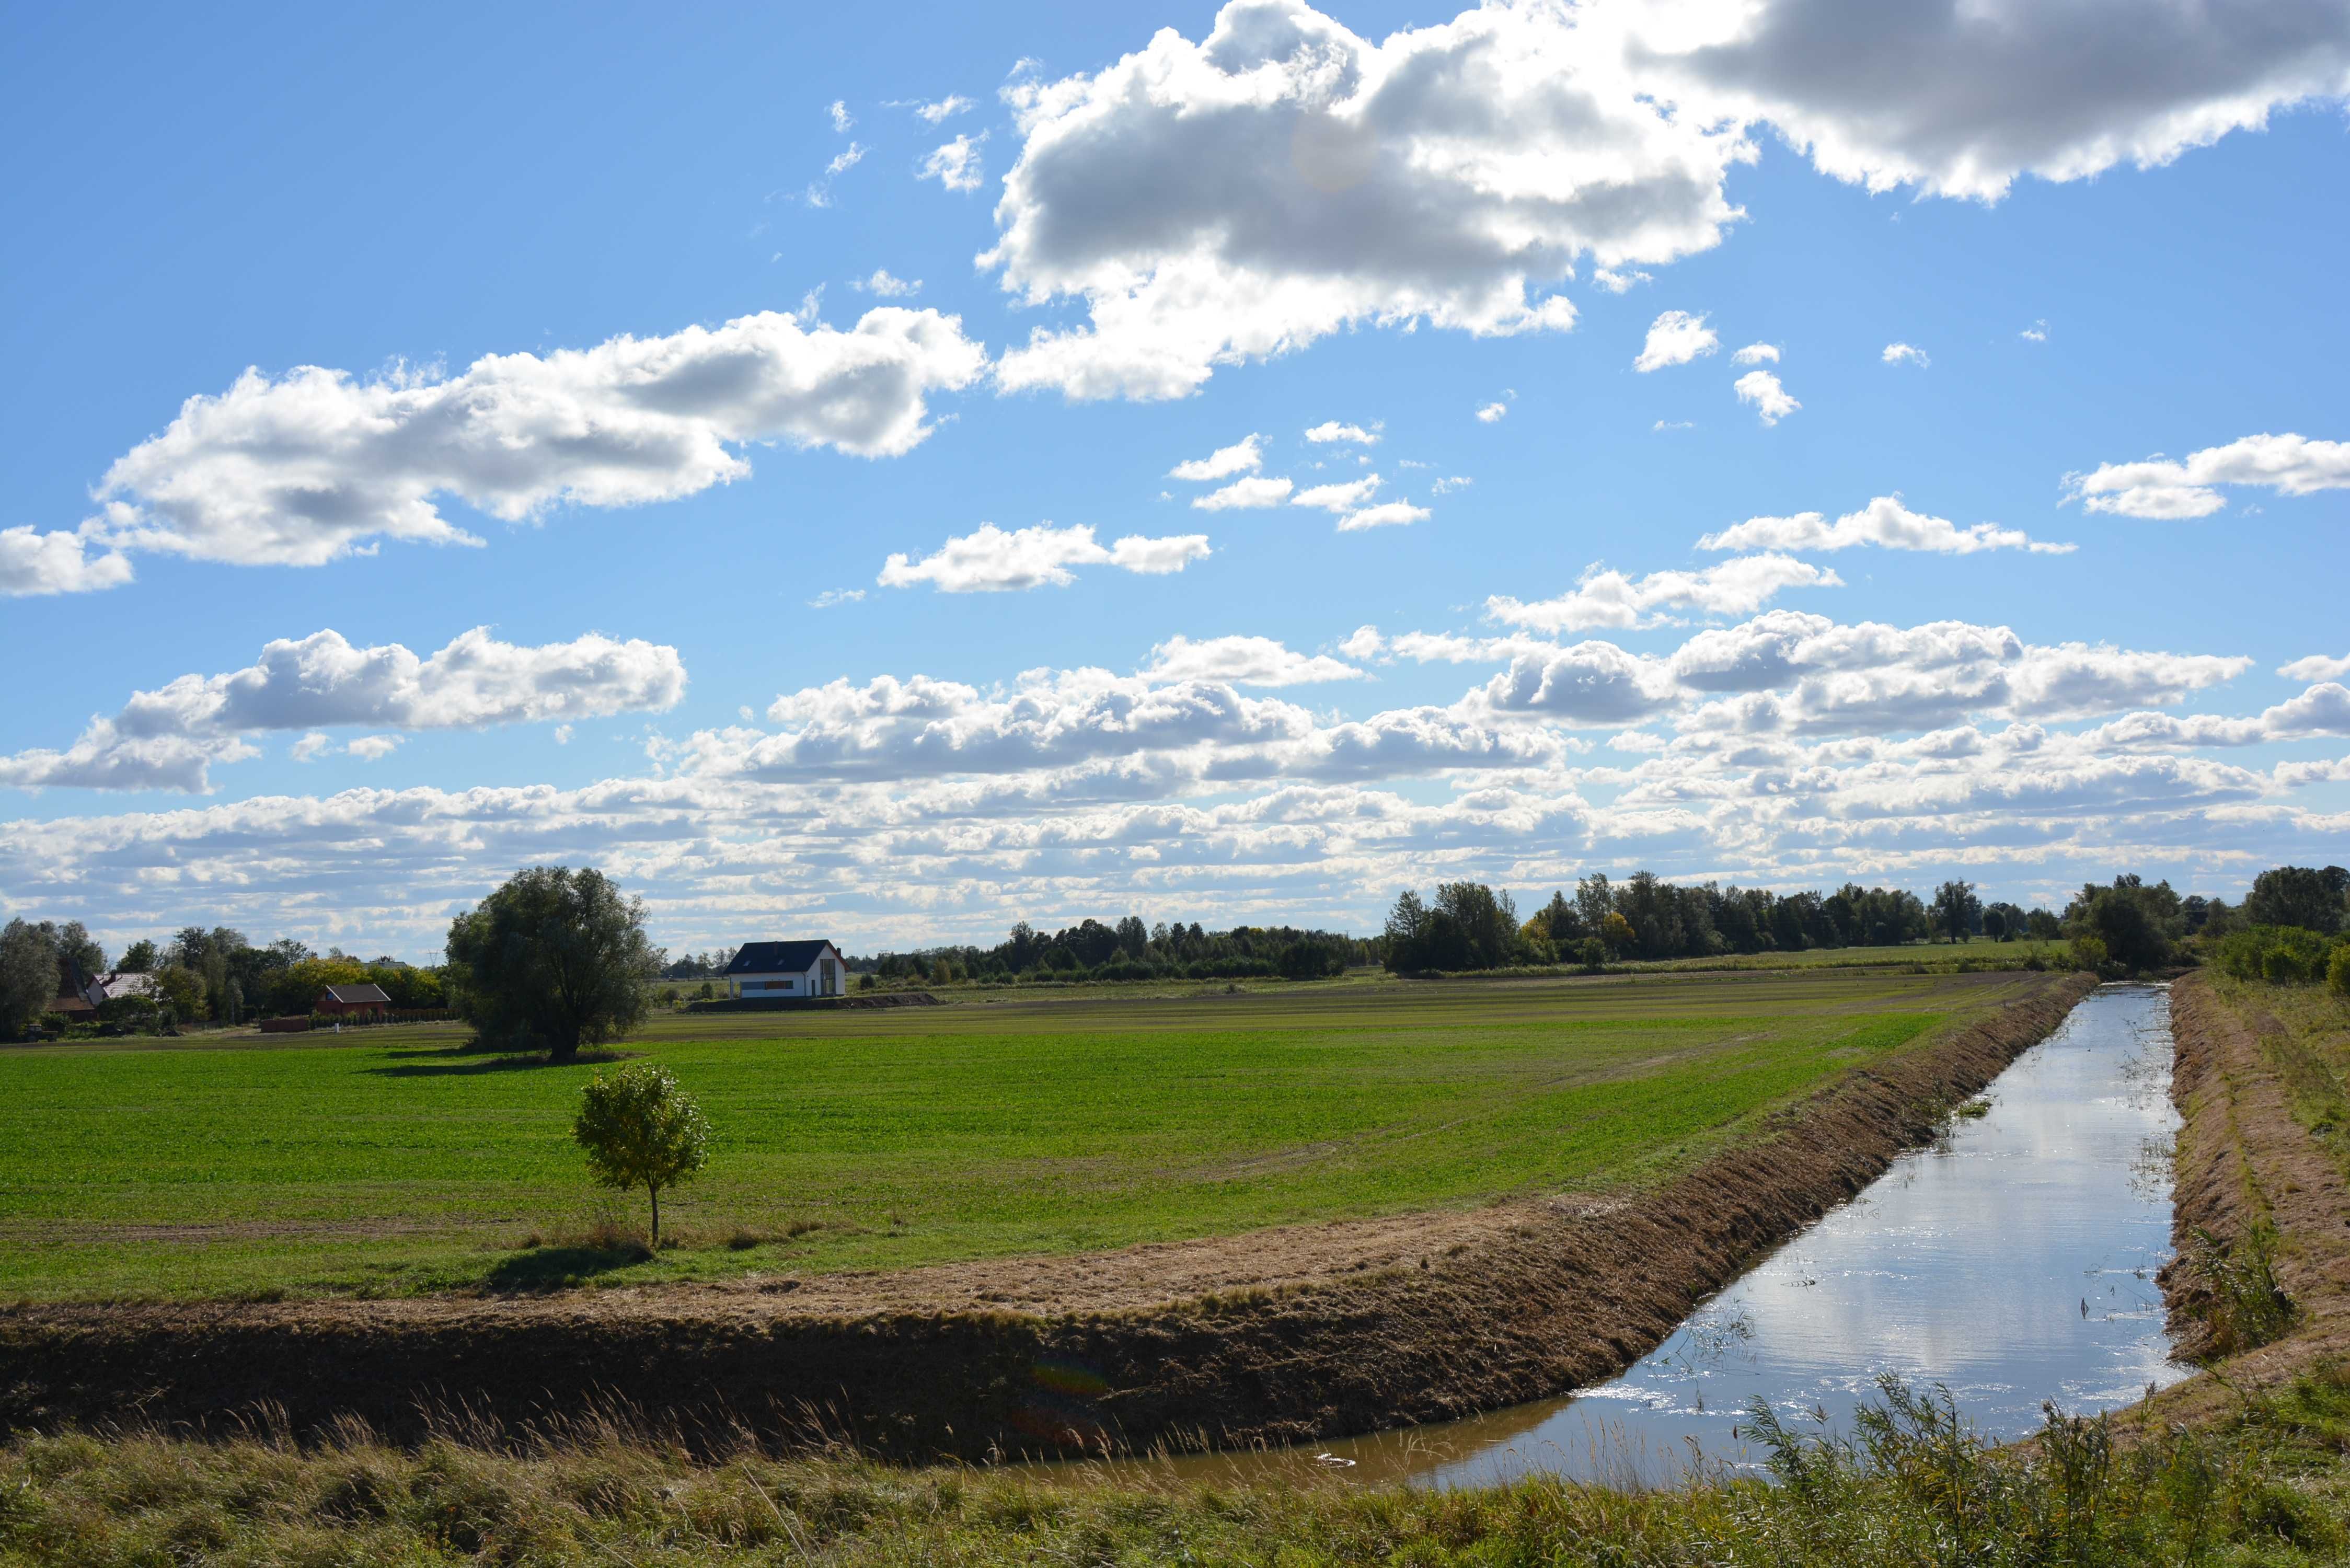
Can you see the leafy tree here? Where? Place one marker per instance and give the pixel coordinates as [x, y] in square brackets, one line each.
[77, 952]
[28, 976]
[1956, 908]
[1615, 933]
[555, 958]
[2298, 896]
[138, 958]
[640, 1129]
[2130, 922]
[1562, 923]
[180, 990]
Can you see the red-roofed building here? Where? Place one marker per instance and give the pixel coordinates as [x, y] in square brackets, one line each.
[353, 1001]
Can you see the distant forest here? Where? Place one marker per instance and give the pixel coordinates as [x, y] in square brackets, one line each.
[1469, 926]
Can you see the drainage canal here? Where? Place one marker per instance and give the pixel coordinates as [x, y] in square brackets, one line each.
[2013, 1262]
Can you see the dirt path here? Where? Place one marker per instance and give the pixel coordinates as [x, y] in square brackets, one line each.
[1275, 1336]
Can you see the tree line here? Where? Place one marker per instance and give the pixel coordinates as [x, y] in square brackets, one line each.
[1129, 949]
[196, 975]
[2128, 924]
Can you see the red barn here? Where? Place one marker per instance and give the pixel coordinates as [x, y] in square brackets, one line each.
[353, 1001]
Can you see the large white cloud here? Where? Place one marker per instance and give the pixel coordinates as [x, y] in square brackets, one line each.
[1284, 178]
[1804, 674]
[2157, 488]
[992, 560]
[1885, 522]
[1603, 597]
[1960, 100]
[168, 738]
[302, 469]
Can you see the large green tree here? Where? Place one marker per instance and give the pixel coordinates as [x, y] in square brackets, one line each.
[29, 975]
[553, 959]
[2300, 895]
[1955, 908]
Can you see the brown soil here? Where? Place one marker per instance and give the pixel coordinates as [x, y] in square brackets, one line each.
[1276, 1336]
[2243, 1157]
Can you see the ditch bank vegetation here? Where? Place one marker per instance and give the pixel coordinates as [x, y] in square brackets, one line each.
[1276, 1336]
[2259, 1290]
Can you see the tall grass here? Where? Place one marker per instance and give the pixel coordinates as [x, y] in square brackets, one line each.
[1912, 1484]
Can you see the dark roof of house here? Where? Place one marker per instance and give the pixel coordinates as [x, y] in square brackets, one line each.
[359, 995]
[778, 958]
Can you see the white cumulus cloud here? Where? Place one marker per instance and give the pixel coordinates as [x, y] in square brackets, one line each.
[956, 165]
[168, 738]
[1243, 661]
[1771, 400]
[1243, 456]
[2316, 666]
[994, 561]
[1905, 354]
[2157, 488]
[1757, 354]
[945, 108]
[57, 562]
[1604, 598]
[882, 284]
[1385, 514]
[1284, 178]
[1244, 495]
[1344, 497]
[1960, 101]
[1884, 523]
[1332, 430]
[305, 468]
[1676, 338]
[1492, 413]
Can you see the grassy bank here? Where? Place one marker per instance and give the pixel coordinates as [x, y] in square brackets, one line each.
[392, 1162]
[2265, 1487]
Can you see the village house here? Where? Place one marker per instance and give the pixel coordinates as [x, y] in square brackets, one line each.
[766, 970]
[353, 1001]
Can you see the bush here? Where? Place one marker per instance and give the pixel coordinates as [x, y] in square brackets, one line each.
[2337, 970]
[2279, 954]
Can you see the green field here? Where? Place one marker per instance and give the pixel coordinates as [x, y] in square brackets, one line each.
[391, 1161]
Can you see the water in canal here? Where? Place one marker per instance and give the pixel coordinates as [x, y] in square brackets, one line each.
[2013, 1262]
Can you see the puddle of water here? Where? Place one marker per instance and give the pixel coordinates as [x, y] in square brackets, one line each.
[2013, 1263]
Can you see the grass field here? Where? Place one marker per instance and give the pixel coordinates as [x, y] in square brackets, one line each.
[390, 1161]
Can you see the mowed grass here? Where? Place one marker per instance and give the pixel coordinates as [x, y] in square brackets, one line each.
[391, 1162]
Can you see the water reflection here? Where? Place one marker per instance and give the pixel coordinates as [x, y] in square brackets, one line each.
[2012, 1261]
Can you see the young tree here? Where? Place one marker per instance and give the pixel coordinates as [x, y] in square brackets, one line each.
[138, 958]
[1955, 908]
[28, 976]
[555, 958]
[640, 1129]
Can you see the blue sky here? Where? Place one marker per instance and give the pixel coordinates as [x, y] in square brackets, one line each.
[1304, 220]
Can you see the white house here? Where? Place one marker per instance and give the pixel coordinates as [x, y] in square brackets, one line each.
[766, 969]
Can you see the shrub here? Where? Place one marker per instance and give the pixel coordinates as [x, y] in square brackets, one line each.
[2337, 970]
[2281, 954]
